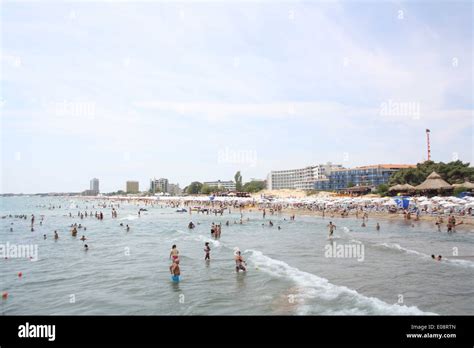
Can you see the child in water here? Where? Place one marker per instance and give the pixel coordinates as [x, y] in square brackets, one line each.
[207, 250]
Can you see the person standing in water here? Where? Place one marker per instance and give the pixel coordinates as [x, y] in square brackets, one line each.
[207, 250]
[175, 271]
[239, 262]
[174, 254]
[377, 227]
[331, 227]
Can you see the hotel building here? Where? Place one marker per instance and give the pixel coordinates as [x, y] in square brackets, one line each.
[303, 178]
[228, 185]
[370, 176]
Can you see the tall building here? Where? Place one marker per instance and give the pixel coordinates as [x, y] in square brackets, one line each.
[174, 190]
[303, 178]
[132, 187]
[160, 185]
[94, 186]
[371, 176]
[228, 185]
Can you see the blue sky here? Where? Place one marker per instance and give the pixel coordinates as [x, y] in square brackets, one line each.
[126, 91]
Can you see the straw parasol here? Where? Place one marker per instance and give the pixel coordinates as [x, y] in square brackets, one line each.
[433, 182]
[468, 185]
[399, 187]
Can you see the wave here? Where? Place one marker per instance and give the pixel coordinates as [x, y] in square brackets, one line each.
[336, 300]
[454, 262]
[129, 217]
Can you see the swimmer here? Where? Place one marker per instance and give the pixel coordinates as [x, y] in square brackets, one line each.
[279, 227]
[377, 227]
[239, 262]
[207, 250]
[83, 238]
[56, 236]
[437, 258]
[86, 247]
[121, 224]
[32, 229]
[44, 236]
[331, 227]
[128, 228]
[174, 254]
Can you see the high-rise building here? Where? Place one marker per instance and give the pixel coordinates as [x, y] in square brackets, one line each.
[228, 185]
[370, 176]
[303, 178]
[132, 187]
[174, 190]
[94, 186]
[160, 185]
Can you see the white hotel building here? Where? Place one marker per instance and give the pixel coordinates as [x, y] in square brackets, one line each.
[302, 179]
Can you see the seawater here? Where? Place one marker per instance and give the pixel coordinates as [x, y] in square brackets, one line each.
[126, 273]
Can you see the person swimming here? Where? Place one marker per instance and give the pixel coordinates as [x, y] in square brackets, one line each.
[86, 247]
[83, 238]
[377, 227]
[239, 262]
[207, 250]
[128, 228]
[437, 258]
[174, 254]
[56, 236]
[191, 225]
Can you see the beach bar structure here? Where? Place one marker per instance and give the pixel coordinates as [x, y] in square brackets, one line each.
[469, 186]
[434, 184]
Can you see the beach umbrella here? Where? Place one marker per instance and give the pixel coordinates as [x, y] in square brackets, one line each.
[468, 185]
[433, 182]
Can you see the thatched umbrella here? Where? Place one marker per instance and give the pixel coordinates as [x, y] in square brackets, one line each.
[434, 182]
[468, 185]
[395, 188]
[404, 187]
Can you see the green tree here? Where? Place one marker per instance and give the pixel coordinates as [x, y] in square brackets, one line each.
[453, 172]
[254, 186]
[194, 188]
[206, 189]
[458, 190]
[238, 181]
[382, 189]
[351, 184]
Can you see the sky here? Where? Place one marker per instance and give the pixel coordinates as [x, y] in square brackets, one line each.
[196, 90]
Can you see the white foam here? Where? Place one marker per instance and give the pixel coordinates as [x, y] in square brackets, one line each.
[342, 299]
[446, 260]
[129, 217]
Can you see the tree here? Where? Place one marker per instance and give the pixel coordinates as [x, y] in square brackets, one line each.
[194, 188]
[458, 190]
[351, 184]
[453, 172]
[382, 189]
[238, 181]
[254, 186]
[206, 189]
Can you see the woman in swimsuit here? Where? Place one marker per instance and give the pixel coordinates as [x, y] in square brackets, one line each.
[174, 254]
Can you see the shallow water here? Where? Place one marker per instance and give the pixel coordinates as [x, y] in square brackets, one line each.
[288, 271]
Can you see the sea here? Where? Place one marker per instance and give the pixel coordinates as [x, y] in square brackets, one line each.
[293, 268]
